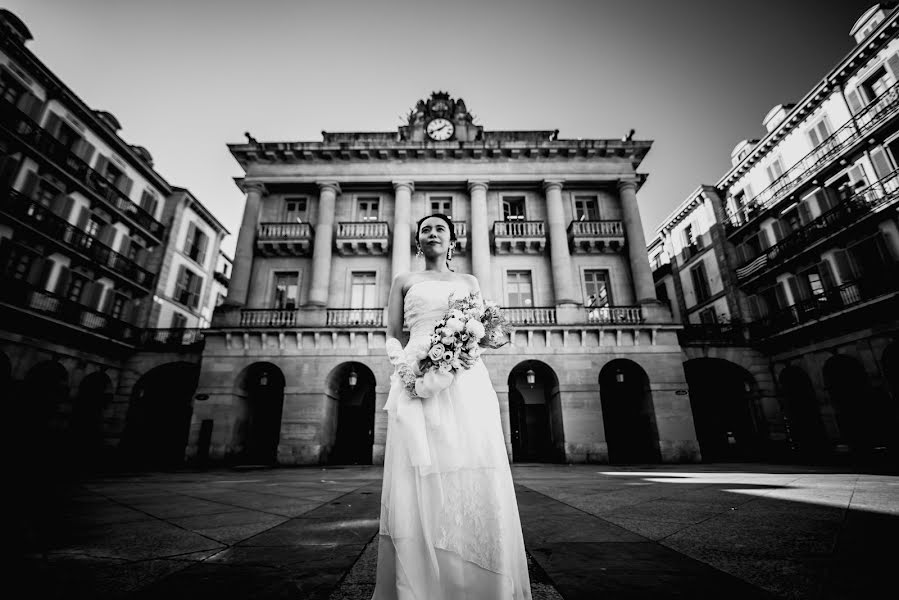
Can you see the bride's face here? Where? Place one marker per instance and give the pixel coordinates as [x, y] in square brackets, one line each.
[434, 236]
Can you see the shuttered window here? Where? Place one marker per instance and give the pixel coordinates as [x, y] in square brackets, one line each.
[700, 282]
[195, 243]
[819, 132]
[187, 287]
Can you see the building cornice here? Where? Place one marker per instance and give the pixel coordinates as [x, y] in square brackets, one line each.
[850, 64]
[201, 210]
[684, 208]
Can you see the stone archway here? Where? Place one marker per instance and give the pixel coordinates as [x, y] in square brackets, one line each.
[729, 421]
[350, 433]
[807, 436]
[628, 413]
[260, 387]
[86, 426]
[159, 413]
[535, 413]
[863, 414]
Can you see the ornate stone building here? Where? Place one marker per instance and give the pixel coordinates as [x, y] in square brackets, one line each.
[294, 369]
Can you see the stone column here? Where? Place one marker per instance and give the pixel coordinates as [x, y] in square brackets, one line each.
[321, 250]
[480, 237]
[644, 288]
[402, 244]
[560, 259]
[239, 285]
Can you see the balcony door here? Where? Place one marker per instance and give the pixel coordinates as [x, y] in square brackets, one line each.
[364, 296]
[286, 291]
[586, 208]
[519, 290]
[513, 208]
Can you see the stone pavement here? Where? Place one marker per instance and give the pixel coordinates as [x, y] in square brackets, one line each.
[591, 531]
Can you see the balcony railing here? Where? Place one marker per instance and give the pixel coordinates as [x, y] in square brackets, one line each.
[362, 237]
[24, 295]
[268, 317]
[284, 239]
[171, 337]
[12, 119]
[831, 301]
[596, 236]
[47, 222]
[535, 315]
[870, 117]
[615, 315]
[863, 202]
[355, 317]
[519, 237]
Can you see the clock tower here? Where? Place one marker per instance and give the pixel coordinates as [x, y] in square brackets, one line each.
[440, 119]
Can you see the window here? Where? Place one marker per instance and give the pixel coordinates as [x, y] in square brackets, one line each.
[690, 245]
[294, 210]
[187, 287]
[819, 132]
[363, 288]
[513, 208]
[596, 288]
[700, 282]
[708, 316]
[662, 293]
[775, 169]
[10, 89]
[586, 208]
[442, 204]
[368, 209]
[148, 202]
[76, 285]
[876, 84]
[112, 173]
[179, 321]
[520, 291]
[118, 306]
[195, 243]
[286, 291]
[94, 225]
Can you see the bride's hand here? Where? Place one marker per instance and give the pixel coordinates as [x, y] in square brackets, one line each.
[467, 361]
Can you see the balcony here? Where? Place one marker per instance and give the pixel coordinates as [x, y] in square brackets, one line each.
[355, 317]
[864, 202]
[519, 237]
[171, 338]
[69, 237]
[534, 315]
[221, 278]
[23, 295]
[868, 119]
[362, 238]
[835, 300]
[284, 239]
[268, 317]
[615, 315]
[595, 237]
[19, 125]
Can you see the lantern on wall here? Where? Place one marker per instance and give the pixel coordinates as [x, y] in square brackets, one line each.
[619, 375]
[531, 377]
[353, 378]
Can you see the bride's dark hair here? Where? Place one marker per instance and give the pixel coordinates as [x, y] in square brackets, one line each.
[449, 223]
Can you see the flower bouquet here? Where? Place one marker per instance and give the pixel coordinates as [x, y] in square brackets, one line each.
[468, 325]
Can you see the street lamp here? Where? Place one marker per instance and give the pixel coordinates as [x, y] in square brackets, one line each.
[531, 377]
[353, 378]
[263, 379]
[619, 376]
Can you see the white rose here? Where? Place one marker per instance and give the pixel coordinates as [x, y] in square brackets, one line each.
[454, 325]
[436, 352]
[475, 328]
[448, 340]
[456, 314]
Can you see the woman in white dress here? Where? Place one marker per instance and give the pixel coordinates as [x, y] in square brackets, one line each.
[450, 528]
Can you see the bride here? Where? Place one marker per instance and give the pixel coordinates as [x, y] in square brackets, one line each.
[449, 528]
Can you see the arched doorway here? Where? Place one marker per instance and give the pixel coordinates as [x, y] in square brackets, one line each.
[261, 386]
[352, 387]
[807, 434]
[535, 413]
[864, 415]
[628, 413]
[728, 419]
[159, 414]
[94, 395]
[44, 392]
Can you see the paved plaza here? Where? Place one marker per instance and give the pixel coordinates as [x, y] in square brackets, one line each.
[591, 531]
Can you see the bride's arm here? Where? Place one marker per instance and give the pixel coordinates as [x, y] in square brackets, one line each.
[395, 308]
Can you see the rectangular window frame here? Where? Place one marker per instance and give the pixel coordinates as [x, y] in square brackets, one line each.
[599, 302]
[511, 205]
[364, 213]
[284, 303]
[295, 209]
[586, 208]
[518, 275]
[701, 288]
[366, 283]
[445, 201]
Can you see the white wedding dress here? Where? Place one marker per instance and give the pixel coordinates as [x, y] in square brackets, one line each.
[450, 528]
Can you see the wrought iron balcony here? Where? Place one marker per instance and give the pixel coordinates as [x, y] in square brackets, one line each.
[615, 315]
[530, 315]
[589, 237]
[284, 239]
[868, 119]
[844, 297]
[70, 237]
[519, 237]
[21, 294]
[22, 127]
[355, 317]
[158, 338]
[362, 238]
[864, 202]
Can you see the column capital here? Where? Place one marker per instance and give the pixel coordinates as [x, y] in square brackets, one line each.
[627, 183]
[249, 186]
[399, 183]
[552, 183]
[477, 184]
[324, 185]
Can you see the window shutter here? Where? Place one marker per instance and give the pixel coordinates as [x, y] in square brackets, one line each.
[777, 228]
[84, 150]
[826, 272]
[813, 137]
[180, 285]
[845, 269]
[127, 311]
[201, 253]
[742, 254]
[30, 105]
[141, 256]
[29, 185]
[83, 217]
[805, 214]
[46, 271]
[893, 62]
[780, 293]
[100, 167]
[107, 235]
[881, 163]
[33, 276]
[764, 242]
[125, 245]
[107, 300]
[855, 102]
[62, 282]
[195, 291]
[188, 241]
[59, 203]
[795, 290]
[857, 175]
[125, 184]
[52, 124]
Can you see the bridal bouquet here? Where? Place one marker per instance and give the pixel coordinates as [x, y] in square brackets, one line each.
[468, 325]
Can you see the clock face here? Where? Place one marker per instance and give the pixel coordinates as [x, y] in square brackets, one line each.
[440, 129]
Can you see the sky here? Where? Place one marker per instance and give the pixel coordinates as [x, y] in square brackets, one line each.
[187, 77]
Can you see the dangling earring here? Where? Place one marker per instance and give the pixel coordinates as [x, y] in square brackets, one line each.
[419, 254]
[449, 253]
